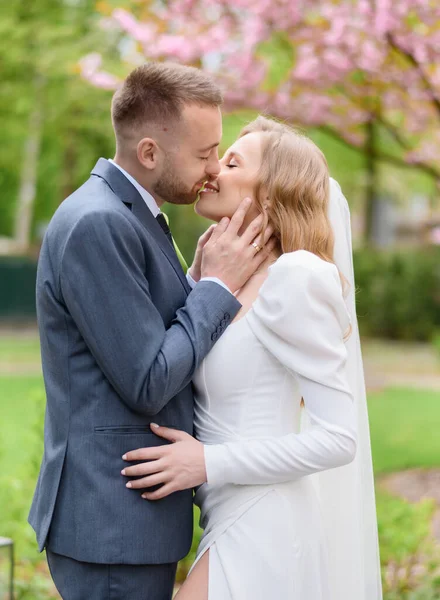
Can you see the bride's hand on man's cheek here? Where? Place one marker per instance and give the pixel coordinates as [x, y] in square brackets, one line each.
[176, 466]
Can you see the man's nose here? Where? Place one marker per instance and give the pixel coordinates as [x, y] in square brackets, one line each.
[213, 167]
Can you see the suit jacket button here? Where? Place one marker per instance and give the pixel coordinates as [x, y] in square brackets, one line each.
[223, 323]
[214, 336]
[227, 316]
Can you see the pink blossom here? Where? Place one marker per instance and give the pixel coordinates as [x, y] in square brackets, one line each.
[89, 66]
[260, 101]
[104, 80]
[306, 68]
[337, 60]
[383, 20]
[142, 32]
[371, 56]
[90, 63]
[173, 46]
[354, 137]
[435, 236]
[343, 66]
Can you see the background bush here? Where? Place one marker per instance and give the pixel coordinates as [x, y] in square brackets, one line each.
[398, 292]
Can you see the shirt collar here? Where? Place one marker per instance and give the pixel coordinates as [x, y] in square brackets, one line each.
[147, 197]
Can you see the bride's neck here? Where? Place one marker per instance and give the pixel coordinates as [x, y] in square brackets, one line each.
[273, 257]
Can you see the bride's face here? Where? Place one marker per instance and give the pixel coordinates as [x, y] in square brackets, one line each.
[236, 181]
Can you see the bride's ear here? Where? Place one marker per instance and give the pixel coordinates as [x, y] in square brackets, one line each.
[264, 199]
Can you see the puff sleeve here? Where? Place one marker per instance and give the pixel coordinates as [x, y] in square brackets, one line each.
[301, 318]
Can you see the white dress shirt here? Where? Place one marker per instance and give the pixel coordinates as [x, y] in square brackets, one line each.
[155, 210]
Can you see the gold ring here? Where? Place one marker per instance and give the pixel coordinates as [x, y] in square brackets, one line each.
[256, 246]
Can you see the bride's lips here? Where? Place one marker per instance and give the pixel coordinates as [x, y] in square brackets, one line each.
[210, 188]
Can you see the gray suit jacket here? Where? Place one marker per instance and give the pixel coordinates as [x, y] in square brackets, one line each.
[121, 336]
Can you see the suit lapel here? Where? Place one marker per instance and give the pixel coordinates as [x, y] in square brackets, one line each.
[129, 195]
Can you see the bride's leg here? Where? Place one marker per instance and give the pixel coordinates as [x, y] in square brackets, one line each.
[195, 586]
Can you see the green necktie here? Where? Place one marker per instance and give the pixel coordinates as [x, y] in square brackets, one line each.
[176, 248]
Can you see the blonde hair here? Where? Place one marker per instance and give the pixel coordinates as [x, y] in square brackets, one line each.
[293, 182]
[293, 190]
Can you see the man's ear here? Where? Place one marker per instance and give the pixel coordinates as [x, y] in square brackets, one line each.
[148, 153]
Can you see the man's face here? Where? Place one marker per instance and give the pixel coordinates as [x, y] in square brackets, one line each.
[193, 159]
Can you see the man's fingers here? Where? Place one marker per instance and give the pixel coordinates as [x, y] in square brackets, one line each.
[145, 482]
[164, 491]
[239, 216]
[205, 237]
[219, 229]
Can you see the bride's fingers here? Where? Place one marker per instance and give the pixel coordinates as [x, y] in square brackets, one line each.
[149, 481]
[152, 453]
[252, 230]
[164, 491]
[205, 237]
[239, 216]
[146, 468]
[261, 256]
[172, 435]
[263, 238]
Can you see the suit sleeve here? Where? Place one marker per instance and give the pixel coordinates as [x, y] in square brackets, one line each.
[301, 318]
[103, 285]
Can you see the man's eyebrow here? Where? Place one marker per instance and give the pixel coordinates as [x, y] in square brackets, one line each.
[210, 147]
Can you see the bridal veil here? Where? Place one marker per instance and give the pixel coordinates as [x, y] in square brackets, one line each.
[346, 494]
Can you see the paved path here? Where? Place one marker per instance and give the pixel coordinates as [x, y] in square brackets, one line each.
[396, 364]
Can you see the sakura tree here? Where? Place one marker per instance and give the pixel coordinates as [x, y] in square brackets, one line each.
[360, 69]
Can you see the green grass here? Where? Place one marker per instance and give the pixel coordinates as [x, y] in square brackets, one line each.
[21, 350]
[20, 407]
[404, 425]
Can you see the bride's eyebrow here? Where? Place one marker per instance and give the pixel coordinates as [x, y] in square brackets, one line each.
[234, 154]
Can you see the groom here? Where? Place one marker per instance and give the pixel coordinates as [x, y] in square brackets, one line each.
[122, 333]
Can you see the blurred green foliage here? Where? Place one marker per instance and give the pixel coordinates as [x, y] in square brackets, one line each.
[408, 557]
[404, 427]
[398, 292]
[22, 442]
[42, 43]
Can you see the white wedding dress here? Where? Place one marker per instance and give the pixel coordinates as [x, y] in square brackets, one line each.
[259, 509]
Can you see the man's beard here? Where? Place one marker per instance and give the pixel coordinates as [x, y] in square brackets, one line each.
[172, 189]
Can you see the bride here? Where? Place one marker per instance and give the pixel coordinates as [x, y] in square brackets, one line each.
[282, 453]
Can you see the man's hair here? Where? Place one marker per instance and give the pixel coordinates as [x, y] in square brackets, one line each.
[155, 93]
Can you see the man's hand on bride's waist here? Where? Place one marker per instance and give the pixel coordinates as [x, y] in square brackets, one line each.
[177, 466]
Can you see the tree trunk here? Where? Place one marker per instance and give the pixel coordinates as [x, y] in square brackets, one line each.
[371, 183]
[29, 171]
